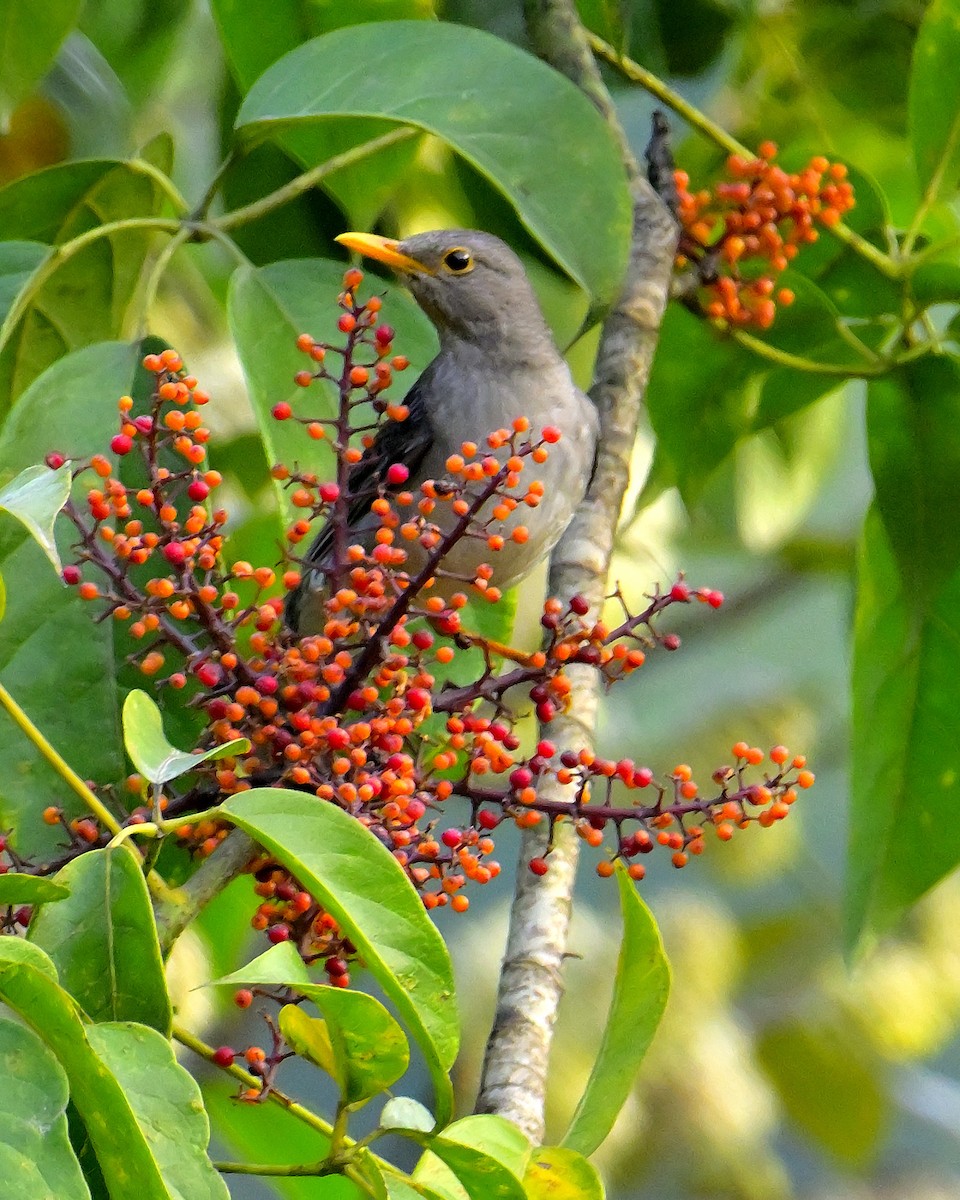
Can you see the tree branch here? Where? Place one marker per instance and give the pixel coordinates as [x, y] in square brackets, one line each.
[514, 1076]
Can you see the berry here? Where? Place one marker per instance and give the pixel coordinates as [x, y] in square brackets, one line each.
[329, 492]
[278, 933]
[680, 592]
[579, 605]
[282, 411]
[303, 378]
[175, 553]
[71, 574]
[198, 490]
[54, 460]
[397, 473]
[223, 1056]
[539, 866]
[671, 642]
[121, 444]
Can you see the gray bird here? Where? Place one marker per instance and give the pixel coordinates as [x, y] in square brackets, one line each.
[497, 361]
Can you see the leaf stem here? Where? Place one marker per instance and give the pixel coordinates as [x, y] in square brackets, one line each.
[162, 180]
[810, 366]
[308, 179]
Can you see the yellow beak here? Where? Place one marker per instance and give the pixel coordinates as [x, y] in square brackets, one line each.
[384, 250]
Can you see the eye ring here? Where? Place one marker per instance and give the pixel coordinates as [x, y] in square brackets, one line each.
[458, 260]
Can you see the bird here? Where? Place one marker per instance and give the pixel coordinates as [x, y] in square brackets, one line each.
[497, 361]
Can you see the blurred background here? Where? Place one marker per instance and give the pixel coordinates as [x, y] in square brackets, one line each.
[780, 1072]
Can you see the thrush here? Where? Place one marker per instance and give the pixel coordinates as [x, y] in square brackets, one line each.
[497, 361]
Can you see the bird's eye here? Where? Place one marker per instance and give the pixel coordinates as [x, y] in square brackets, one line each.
[458, 260]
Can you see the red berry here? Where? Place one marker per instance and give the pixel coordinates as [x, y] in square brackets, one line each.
[715, 599]
[208, 673]
[282, 411]
[71, 574]
[418, 699]
[54, 460]
[671, 642]
[486, 818]
[143, 424]
[347, 323]
[243, 998]
[546, 749]
[580, 605]
[175, 553]
[680, 591]
[223, 1056]
[384, 335]
[451, 838]
[397, 473]
[198, 490]
[278, 933]
[329, 492]
[335, 966]
[539, 866]
[550, 433]
[643, 777]
[521, 778]
[122, 443]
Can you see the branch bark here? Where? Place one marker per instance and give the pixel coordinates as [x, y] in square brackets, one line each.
[514, 1078]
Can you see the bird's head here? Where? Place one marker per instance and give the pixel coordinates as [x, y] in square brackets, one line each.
[470, 284]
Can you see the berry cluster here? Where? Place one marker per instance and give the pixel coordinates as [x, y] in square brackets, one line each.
[742, 234]
[363, 713]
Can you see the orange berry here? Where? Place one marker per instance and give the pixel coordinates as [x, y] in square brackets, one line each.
[805, 779]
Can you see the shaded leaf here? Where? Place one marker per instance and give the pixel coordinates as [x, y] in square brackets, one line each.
[362, 885]
[485, 1154]
[31, 36]
[17, 888]
[268, 307]
[18, 261]
[136, 37]
[934, 100]
[35, 1146]
[905, 769]
[829, 1090]
[35, 499]
[640, 991]
[71, 408]
[558, 1173]
[936, 283]
[85, 299]
[460, 84]
[151, 753]
[310, 1038]
[254, 38]
[103, 939]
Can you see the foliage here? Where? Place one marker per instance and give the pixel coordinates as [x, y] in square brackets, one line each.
[397, 119]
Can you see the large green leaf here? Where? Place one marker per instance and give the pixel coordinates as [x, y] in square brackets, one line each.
[136, 37]
[86, 298]
[360, 883]
[829, 1090]
[35, 1147]
[934, 103]
[467, 87]
[268, 307]
[103, 939]
[280, 966]
[913, 430]
[255, 37]
[166, 1104]
[59, 665]
[30, 36]
[35, 498]
[905, 768]
[122, 1147]
[640, 991]
[18, 261]
[150, 752]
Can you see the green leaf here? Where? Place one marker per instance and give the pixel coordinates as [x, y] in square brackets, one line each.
[268, 307]
[934, 101]
[255, 38]
[369, 1047]
[485, 1154]
[122, 1152]
[904, 835]
[913, 431]
[17, 888]
[166, 1104]
[35, 1149]
[280, 966]
[403, 1112]
[103, 939]
[18, 261]
[811, 325]
[55, 660]
[310, 1038]
[31, 36]
[362, 885]
[936, 283]
[640, 992]
[460, 84]
[558, 1173]
[35, 498]
[151, 753]
[828, 1089]
[136, 37]
[86, 298]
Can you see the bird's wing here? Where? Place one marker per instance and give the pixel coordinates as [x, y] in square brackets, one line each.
[407, 442]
